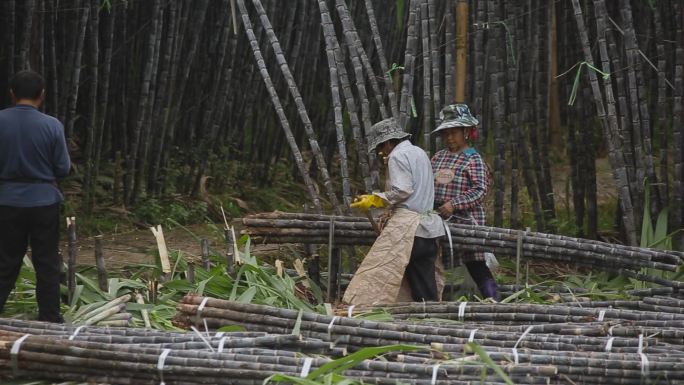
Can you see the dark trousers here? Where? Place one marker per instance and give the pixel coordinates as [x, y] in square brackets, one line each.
[483, 278]
[39, 228]
[420, 271]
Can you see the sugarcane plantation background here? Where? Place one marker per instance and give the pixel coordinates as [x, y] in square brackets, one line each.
[214, 102]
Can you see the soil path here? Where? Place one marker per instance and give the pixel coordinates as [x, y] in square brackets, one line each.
[140, 246]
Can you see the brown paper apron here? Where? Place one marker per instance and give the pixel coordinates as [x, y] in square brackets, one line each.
[380, 278]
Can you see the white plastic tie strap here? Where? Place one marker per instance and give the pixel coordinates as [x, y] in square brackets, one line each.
[75, 333]
[610, 330]
[515, 355]
[306, 367]
[160, 365]
[219, 334]
[515, 350]
[206, 342]
[14, 352]
[222, 342]
[451, 242]
[471, 338]
[202, 305]
[330, 325]
[640, 349]
[644, 365]
[435, 371]
[461, 311]
[350, 311]
[609, 344]
[601, 315]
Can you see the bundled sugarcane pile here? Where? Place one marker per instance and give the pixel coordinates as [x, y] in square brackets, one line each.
[588, 346]
[136, 356]
[279, 227]
[104, 313]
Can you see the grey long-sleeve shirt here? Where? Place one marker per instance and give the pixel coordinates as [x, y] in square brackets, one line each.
[33, 153]
[410, 185]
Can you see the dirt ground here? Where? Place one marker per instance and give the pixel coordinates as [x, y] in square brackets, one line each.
[140, 246]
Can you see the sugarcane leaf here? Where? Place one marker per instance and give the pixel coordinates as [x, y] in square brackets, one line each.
[247, 295]
[290, 379]
[78, 290]
[661, 240]
[231, 329]
[92, 285]
[298, 324]
[201, 285]
[139, 306]
[489, 362]
[341, 364]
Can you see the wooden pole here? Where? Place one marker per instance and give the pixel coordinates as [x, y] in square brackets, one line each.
[158, 233]
[461, 49]
[230, 259]
[71, 273]
[204, 245]
[191, 272]
[100, 265]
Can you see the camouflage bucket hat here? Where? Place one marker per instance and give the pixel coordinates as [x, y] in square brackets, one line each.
[383, 131]
[456, 115]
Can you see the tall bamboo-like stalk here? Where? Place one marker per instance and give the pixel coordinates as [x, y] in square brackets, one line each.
[478, 68]
[91, 132]
[678, 130]
[449, 53]
[661, 106]
[11, 35]
[406, 103]
[498, 106]
[330, 44]
[301, 108]
[76, 74]
[361, 149]
[434, 58]
[367, 159]
[609, 124]
[384, 67]
[133, 162]
[277, 105]
[512, 90]
[356, 49]
[25, 43]
[427, 72]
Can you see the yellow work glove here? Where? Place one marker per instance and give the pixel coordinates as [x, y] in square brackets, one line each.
[366, 201]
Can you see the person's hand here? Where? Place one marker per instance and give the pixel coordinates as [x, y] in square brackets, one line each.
[366, 201]
[446, 210]
[384, 218]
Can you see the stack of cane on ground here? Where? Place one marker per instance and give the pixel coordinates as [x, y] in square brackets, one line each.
[533, 343]
[628, 261]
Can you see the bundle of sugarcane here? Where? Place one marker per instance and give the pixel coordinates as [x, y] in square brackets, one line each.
[313, 228]
[104, 313]
[609, 360]
[23, 355]
[353, 333]
[527, 313]
[576, 294]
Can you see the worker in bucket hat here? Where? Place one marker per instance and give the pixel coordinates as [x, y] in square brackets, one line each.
[401, 264]
[461, 184]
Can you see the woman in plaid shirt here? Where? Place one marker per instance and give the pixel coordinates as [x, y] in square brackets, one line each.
[461, 184]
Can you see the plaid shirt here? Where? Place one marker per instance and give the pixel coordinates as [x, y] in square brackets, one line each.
[463, 179]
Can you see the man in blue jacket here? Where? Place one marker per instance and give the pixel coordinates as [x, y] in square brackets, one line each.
[33, 154]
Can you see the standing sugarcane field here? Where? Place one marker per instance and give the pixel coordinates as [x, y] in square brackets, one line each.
[342, 192]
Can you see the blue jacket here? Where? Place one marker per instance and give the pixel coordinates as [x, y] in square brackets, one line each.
[33, 153]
